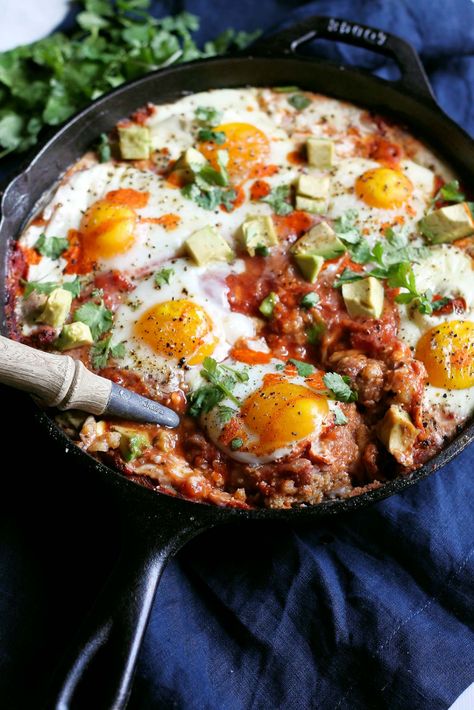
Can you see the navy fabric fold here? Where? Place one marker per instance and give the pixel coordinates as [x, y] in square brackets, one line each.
[370, 610]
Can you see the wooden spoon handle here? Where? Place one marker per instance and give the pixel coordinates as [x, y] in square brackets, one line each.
[56, 380]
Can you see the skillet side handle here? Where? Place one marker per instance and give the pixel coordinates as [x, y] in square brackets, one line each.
[413, 75]
[98, 670]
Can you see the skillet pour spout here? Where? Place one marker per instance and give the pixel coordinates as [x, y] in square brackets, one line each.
[155, 526]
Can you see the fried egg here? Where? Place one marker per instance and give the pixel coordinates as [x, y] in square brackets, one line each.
[170, 326]
[444, 342]
[380, 196]
[278, 410]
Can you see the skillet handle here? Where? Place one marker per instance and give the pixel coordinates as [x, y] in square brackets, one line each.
[99, 667]
[413, 75]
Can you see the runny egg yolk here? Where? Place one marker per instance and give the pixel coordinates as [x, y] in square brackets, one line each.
[107, 230]
[447, 352]
[282, 413]
[383, 187]
[245, 144]
[177, 329]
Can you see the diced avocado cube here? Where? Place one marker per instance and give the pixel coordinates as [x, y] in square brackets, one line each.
[74, 335]
[56, 309]
[306, 204]
[448, 223]
[397, 433]
[310, 265]
[207, 245]
[321, 240]
[135, 142]
[320, 152]
[364, 298]
[132, 443]
[191, 159]
[258, 231]
[312, 186]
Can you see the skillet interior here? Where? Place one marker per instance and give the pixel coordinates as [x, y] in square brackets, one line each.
[422, 115]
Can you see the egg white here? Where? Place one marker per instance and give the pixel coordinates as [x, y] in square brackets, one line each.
[205, 286]
[212, 423]
[448, 271]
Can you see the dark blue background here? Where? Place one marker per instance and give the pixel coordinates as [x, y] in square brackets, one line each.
[373, 610]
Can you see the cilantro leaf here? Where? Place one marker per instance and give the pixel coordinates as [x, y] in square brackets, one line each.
[309, 300]
[52, 247]
[222, 380]
[304, 369]
[314, 333]
[225, 414]
[449, 193]
[347, 277]
[277, 198]
[299, 101]
[262, 250]
[339, 385]
[103, 148]
[162, 277]
[96, 316]
[208, 115]
[210, 136]
[345, 228]
[339, 417]
[440, 303]
[101, 351]
[73, 286]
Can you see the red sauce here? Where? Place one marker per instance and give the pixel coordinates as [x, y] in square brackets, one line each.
[292, 226]
[259, 189]
[297, 157]
[128, 198]
[384, 151]
[168, 221]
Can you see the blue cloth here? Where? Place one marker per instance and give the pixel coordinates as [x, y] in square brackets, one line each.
[371, 610]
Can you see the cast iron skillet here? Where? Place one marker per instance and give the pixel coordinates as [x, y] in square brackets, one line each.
[157, 525]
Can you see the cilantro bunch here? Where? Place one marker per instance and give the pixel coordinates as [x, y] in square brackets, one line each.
[43, 83]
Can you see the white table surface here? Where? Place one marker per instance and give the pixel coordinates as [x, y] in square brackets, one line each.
[24, 21]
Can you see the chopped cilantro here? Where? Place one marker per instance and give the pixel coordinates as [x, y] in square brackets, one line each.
[299, 101]
[277, 198]
[96, 316]
[162, 277]
[347, 277]
[101, 351]
[449, 193]
[268, 304]
[345, 228]
[210, 136]
[225, 414]
[47, 286]
[309, 300]
[339, 416]
[222, 381]
[262, 250]
[208, 116]
[304, 369]
[279, 367]
[52, 247]
[103, 148]
[314, 333]
[440, 303]
[339, 385]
